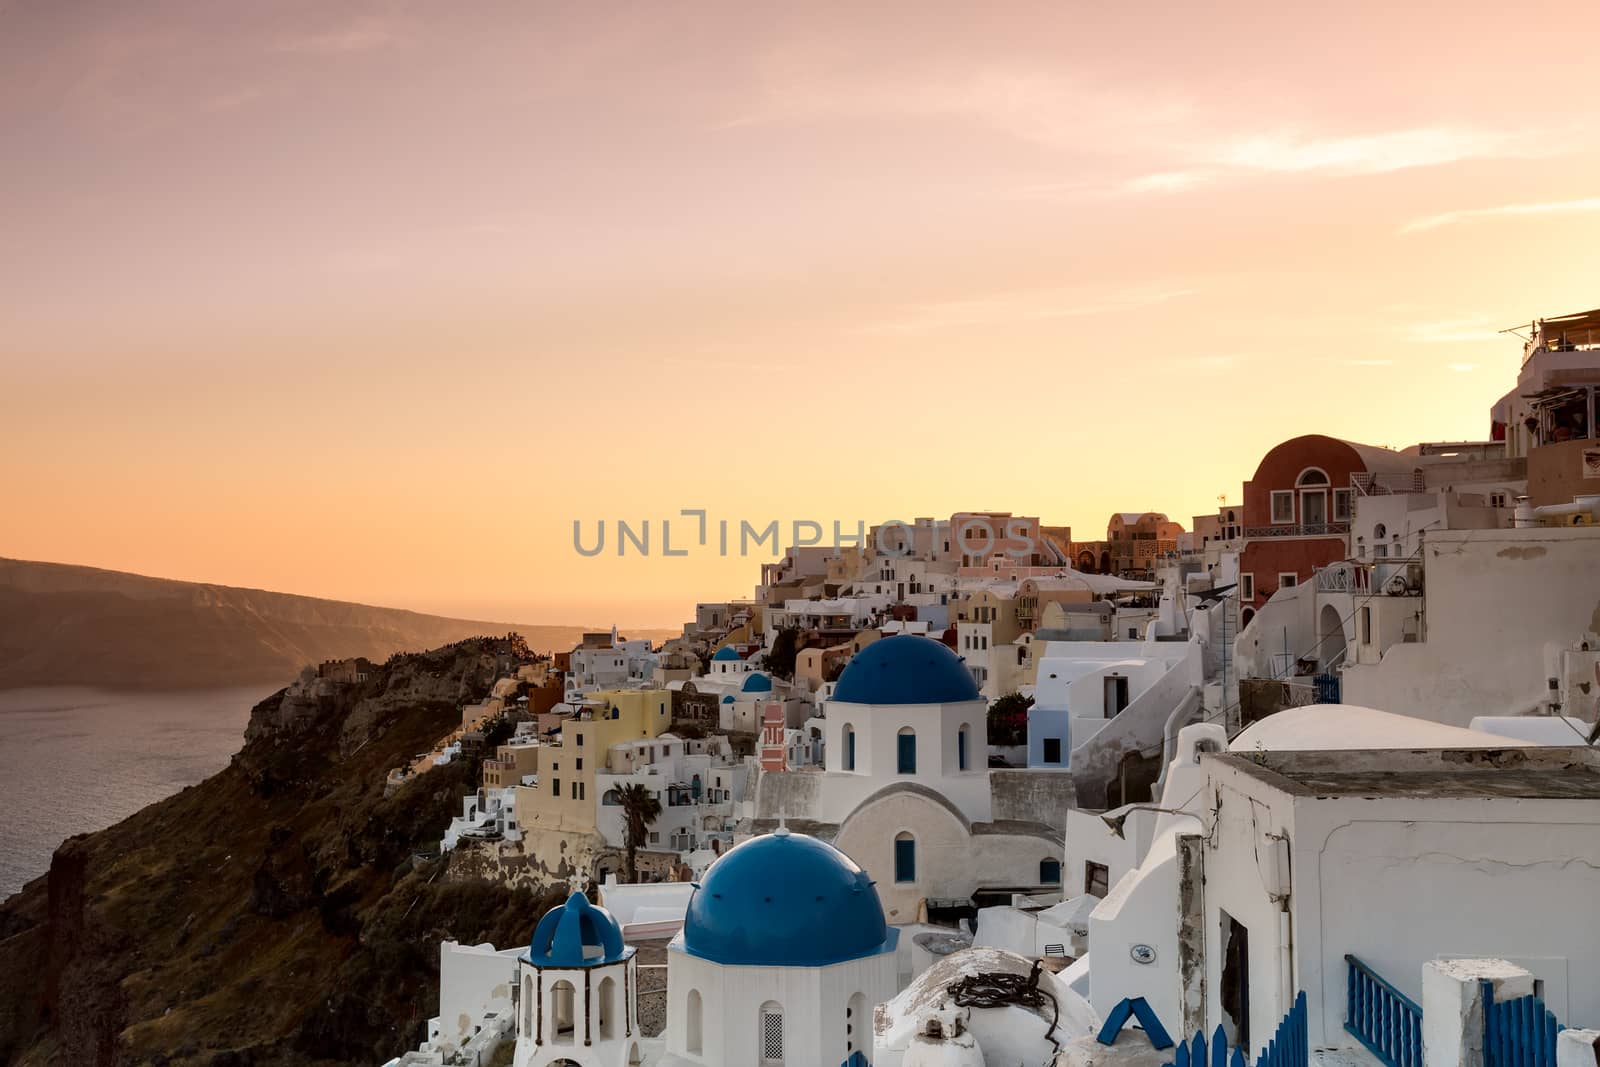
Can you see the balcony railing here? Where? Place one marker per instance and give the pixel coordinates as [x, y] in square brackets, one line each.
[1302, 529]
[1343, 577]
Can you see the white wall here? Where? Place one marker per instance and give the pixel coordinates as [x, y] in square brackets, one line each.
[473, 980]
[1499, 607]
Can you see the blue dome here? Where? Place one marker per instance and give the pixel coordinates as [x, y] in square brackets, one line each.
[725, 653]
[577, 934]
[758, 683]
[785, 900]
[728, 699]
[905, 669]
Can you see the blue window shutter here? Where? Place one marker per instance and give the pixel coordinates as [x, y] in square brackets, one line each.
[908, 754]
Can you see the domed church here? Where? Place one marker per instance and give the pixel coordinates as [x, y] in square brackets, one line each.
[784, 952]
[577, 991]
[907, 791]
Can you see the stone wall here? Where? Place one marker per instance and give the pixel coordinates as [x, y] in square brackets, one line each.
[1032, 796]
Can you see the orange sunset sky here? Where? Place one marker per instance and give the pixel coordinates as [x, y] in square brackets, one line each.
[371, 301]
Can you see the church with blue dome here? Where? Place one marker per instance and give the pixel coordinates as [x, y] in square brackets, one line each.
[906, 789]
[784, 952]
[577, 985]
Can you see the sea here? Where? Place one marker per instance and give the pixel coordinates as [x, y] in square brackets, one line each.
[74, 760]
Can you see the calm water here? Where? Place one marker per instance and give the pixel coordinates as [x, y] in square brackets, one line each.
[74, 760]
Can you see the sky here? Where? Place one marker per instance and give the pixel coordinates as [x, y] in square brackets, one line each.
[374, 301]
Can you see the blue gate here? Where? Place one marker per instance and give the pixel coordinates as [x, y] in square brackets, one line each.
[1382, 1018]
[1518, 1033]
[1289, 1046]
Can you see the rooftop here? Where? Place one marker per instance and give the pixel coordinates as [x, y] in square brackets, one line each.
[1421, 774]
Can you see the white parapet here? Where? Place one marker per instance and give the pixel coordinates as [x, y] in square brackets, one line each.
[1578, 1048]
[1452, 1006]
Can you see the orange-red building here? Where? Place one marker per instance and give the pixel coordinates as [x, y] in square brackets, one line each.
[1297, 509]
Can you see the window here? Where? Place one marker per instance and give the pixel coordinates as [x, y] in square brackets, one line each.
[906, 761]
[1366, 626]
[655, 837]
[961, 746]
[1311, 476]
[1247, 587]
[1380, 551]
[555, 787]
[579, 764]
[905, 858]
[849, 748]
[1497, 500]
[1286, 580]
[1049, 872]
[1052, 750]
[1283, 506]
[1342, 500]
[1096, 879]
[580, 740]
[771, 1036]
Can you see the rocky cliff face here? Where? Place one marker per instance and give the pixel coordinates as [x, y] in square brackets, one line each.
[276, 913]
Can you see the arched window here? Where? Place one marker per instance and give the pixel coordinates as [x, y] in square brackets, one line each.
[906, 753]
[1049, 872]
[769, 1033]
[693, 1024]
[855, 1017]
[1311, 476]
[529, 1023]
[905, 857]
[963, 746]
[563, 1017]
[605, 1007]
[611, 798]
[849, 747]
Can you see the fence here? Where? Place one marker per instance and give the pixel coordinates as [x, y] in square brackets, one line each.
[1382, 1018]
[1289, 1046]
[1518, 1033]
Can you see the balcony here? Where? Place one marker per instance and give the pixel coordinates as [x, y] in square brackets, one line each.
[1346, 576]
[1302, 529]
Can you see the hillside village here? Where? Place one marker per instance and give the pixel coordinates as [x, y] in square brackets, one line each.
[1310, 777]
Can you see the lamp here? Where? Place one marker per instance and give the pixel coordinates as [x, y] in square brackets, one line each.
[1115, 822]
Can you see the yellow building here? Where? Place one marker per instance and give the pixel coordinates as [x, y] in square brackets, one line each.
[564, 800]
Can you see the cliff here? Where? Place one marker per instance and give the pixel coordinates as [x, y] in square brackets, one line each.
[277, 913]
[66, 625]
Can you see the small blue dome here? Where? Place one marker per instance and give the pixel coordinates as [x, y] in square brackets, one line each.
[905, 669]
[785, 900]
[577, 934]
[728, 699]
[757, 683]
[726, 653]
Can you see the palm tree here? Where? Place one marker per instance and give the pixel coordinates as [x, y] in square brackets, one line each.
[640, 808]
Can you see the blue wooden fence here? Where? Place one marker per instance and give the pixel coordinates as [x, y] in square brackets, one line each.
[1518, 1033]
[1289, 1046]
[1381, 1017]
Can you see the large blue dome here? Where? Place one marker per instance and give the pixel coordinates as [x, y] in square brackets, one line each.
[785, 900]
[906, 669]
[756, 682]
[726, 653]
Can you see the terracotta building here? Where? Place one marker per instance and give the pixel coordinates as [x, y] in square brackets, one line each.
[1298, 506]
